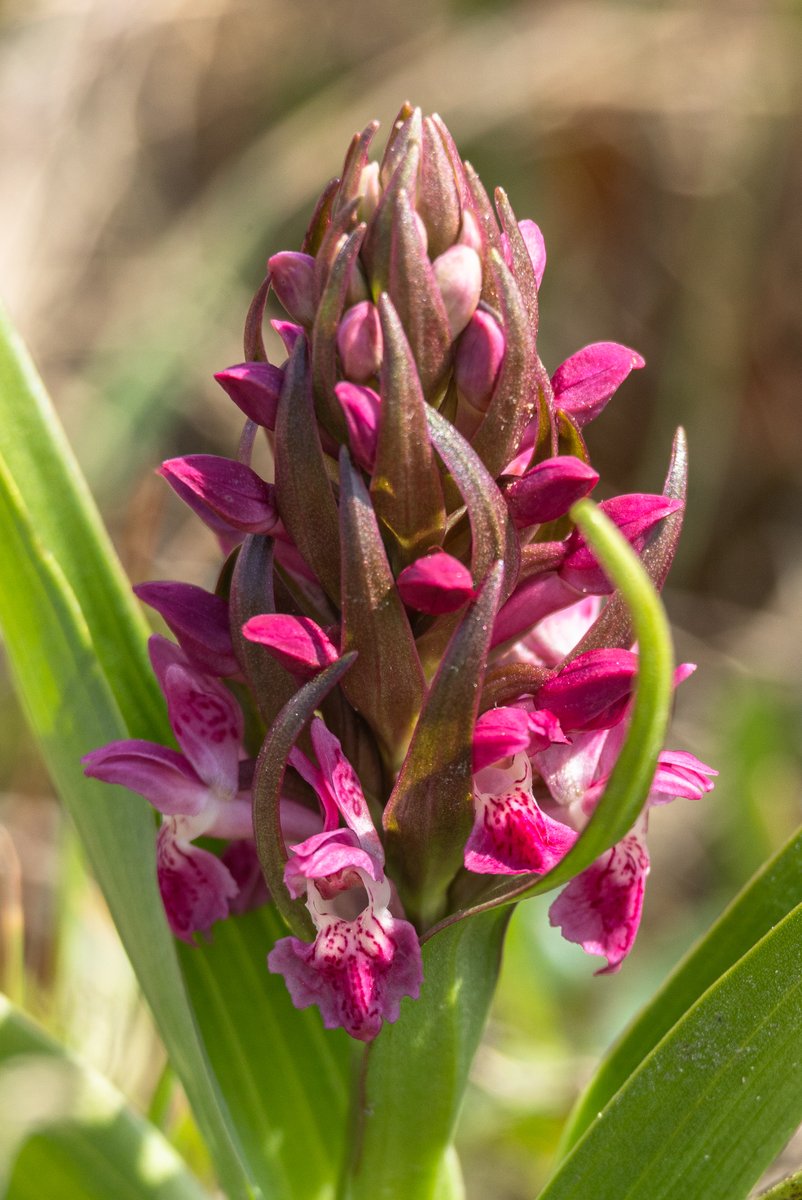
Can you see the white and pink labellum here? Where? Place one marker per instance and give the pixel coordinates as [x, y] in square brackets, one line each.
[199, 619]
[548, 490]
[360, 343]
[223, 490]
[360, 407]
[436, 583]
[636, 515]
[600, 909]
[292, 275]
[511, 835]
[298, 643]
[592, 691]
[255, 388]
[585, 382]
[458, 272]
[364, 959]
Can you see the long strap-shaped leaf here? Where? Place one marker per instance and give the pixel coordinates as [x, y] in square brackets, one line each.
[81, 687]
[770, 896]
[66, 1132]
[716, 1099]
[71, 709]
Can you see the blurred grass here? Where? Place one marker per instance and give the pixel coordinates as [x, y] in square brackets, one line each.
[155, 154]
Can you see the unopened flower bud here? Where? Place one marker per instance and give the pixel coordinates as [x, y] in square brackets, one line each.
[592, 691]
[548, 490]
[298, 643]
[199, 619]
[436, 583]
[458, 272]
[470, 233]
[359, 341]
[255, 388]
[585, 382]
[224, 490]
[293, 279]
[478, 359]
[369, 191]
[289, 333]
[636, 516]
[360, 407]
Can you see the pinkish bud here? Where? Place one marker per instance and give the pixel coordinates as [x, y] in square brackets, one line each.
[584, 383]
[293, 278]
[592, 691]
[223, 490]
[359, 341]
[536, 246]
[255, 388]
[478, 359]
[289, 333]
[499, 733]
[458, 272]
[436, 583]
[369, 191]
[636, 516]
[548, 490]
[199, 619]
[298, 643]
[360, 407]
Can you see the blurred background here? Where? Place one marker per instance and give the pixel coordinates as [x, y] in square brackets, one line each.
[154, 154]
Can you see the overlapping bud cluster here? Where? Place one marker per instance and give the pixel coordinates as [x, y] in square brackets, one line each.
[407, 623]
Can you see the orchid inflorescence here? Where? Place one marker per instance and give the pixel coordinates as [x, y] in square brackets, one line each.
[408, 622]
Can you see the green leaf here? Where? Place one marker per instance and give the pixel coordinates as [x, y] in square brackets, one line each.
[717, 1098]
[770, 896]
[66, 1132]
[420, 1064]
[81, 690]
[629, 782]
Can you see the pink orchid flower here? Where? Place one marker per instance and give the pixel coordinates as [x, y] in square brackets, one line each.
[363, 959]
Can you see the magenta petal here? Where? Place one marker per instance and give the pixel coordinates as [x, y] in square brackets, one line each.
[536, 246]
[511, 835]
[437, 583]
[162, 776]
[636, 516]
[199, 619]
[556, 635]
[345, 788]
[207, 721]
[592, 691]
[196, 886]
[548, 490]
[298, 643]
[601, 908]
[289, 333]
[535, 598]
[221, 489]
[255, 388]
[584, 383]
[360, 407]
[356, 972]
[544, 730]
[499, 733]
[330, 853]
[680, 775]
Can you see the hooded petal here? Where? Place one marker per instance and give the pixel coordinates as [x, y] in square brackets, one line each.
[601, 908]
[680, 775]
[207, 722]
